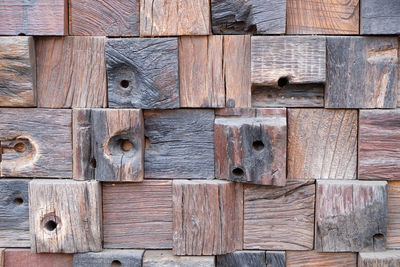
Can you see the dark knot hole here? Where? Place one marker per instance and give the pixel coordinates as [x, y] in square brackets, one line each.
[238, 171]
[283, 81]
[18, 201]
[124, 83]
[116, 263]
[258, 145]
[50, 225]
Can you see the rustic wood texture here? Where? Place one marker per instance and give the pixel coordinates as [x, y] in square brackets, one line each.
[393, 215]
[65, 216]
[207, 217]
[39, 145]
[313, 258]
[362, 72]
[379, 144]
[165, 258]
[355, 220]
[242, 258]
[143, 72]
[380, 17]
[275, 258]
[389, 258]
[17, 72]
[174, 17]
[293, 229]
[107, 258]
[104, 17]
[138, 215]
[71, 72]
[24, 257]
[179, 143]
[322, 144]
[2, 257]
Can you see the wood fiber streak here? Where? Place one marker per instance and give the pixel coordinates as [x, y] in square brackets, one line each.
[275, 258]
[389, 258]
[380, 17]
[107, 258]
[165, 258]
[313, 258]
[24, 257]
[242, 258]
[393, 217]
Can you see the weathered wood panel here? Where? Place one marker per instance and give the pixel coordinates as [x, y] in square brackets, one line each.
[143, 72]
[107, 258]
[242, 258]
[393, 216]
[389, 258]
[138, 215]
[355, 220]
[313, 258]
[2, 257]
[362, 72]
[293, 229]
[24, 257]
[322, 144]
[65, 216]
[380, 17]
[39, 145]
[275, 258]
[207, 217]
[71, 72]
[165, 258]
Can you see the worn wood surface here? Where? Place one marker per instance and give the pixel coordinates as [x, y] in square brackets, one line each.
[322, 144]
[138, 215]
[71, 72]
[242, 258]
[107, 258]
[207, 217]
[143, 72]
[393, 215]
[380, 17]
[389, 258]
[165, 258]
[2, 257]
[313, 258]
[362, 72]
[24, 257]
[279, 218]
[275, 258]
[17, 72]
[39, 145]
[65, 216]
[179, 143]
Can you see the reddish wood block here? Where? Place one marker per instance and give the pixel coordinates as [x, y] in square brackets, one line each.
[393, 220]
[313, 258]
[24, 257]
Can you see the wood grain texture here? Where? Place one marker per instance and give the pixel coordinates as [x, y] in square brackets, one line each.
[138, 215]
[108, 257]
[39, 145]
[179, 143]
[393, 216]
[207, 217]
[65, 216]
[313, 258]
[389, 258]
[109, 18]
[165, 258]
[275, 258]
[355, 221]
[2, 257]
[71, 72]
[143, 72]
[279, 218]
[24, 257]
[17, 72]
[362, 72]
[242, 258]
[380, 17]
[379, 146]
[322, 144]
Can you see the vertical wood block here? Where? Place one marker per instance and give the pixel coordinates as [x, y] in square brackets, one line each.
[143, 72]
[393, 220]
[355, 220]
[138, 215]
[165, 258]
[362, 72]
[65, 216]
[17, 72]
[242, 258]
[2, 257]
[24, 257]
[380, 17]
[39, 145]
[279, 218]
[207, 217]
[71, 72]
[275, 258]
[387, 258]
[109, 257]
[313, 258]
[322, 144]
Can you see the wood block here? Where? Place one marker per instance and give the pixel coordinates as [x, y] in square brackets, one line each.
[138, 215]
[275, 258]
[179, 143]
[293, 229]
[41, 17]
[362, 72]
[165, 258]
[313, 258]
[65, 216]
[39, 145]
[2, 257]
[393, 216]
[109, 18]
[387, 258]
[379, 152]
[322, 144]
[110, 257]
[143, 72]
[242, 258]
[322, 17]
[248, 16]
[17, 72]
[252, 149]
[380, 17]
[24, 257]
[71, 72]
[174, 17]
[355, 221]
[201, 71]
[207, 217]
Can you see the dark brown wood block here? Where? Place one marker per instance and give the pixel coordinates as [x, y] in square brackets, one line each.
[275, 258]
[313, 258]
[110, 257]
[165, 258]
[393, 216]
[242, 258]
[380, 17]
[207, 217]
[24, 257]
[389, 258]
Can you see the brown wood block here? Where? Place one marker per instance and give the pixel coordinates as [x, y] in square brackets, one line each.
[207, 217]
[322, 144]
[313, 258]
[393, 219]
[24, 257]
[389, 258]
[109, 257]
[380, 17]
[38, 145]
[71, 72]
[65, 216]
[165, 258]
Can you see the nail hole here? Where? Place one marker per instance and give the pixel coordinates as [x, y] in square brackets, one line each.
[18, 201]
[126, 145]
[20, 147]
[50, 225]
[258, 145]
[116, 263]
[124, 83]
[92, 163]
[238, 171]
[283, 81]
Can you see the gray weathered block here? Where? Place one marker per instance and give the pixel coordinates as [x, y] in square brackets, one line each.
[389, 258]
[165, 258]
[275, 258]
[242, 258]
[106, 258]
[380, 17]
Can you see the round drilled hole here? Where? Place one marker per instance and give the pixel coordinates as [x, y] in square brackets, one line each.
[50, 225]
[18, 201]
[258, 145]
[116, 263]
[283, 81]
[126, 145]
[92, 163]
[20, 147]
[124, 83]
[238, 171]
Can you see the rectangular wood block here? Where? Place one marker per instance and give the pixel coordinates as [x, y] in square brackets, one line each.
[379, 149]
[380, 17]
[387, 258]
[322, 144]
[36, 143]
[143, 73]
[207, 217]
[165, 258]
[275, 258]
[279, 218]
[362, 72]
[24, 257]
[71, 72]
[313, 258]
[350, 216]
[242, 258]
[2, 257]
[393, 216]
[108, 144]
[110, 257]
[138, 215]
[65, 216]
[17, 72]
